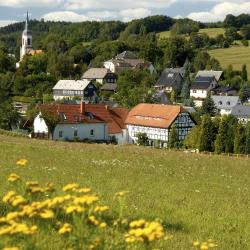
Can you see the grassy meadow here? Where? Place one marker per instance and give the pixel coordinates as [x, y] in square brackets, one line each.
[235, 55]
[197, 197]
[212, 32]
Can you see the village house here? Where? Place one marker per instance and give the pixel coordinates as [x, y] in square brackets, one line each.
[242, 113]
[170, 79]
[93, 122]
[201, 88]
[70, 89]
[156, 121]
[224, 90]
[225, 104]
[125, 61]
[100, 75]
[109, 88]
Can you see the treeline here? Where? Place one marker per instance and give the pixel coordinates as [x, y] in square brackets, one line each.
[220, 135]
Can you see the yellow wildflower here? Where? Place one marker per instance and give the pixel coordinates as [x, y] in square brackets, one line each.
[204, 246]
[84, 190]
[212, 245]
[13, 177]
[101, 209]
[9, 196]
[22, 162]
[196, 243]
[66, 228]
[103, 225]
[137, 223]
[72, 209]
[47, 214]
[18, 200]
[93, 220]
[70, 187]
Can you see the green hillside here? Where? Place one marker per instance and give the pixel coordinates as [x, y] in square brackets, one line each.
[198, 197]
[236, 56]
[212, 32]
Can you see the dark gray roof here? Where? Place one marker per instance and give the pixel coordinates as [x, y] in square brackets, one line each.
[224, 89]
[202, 82]
[225, 102]
[168, 77]
[241, 111]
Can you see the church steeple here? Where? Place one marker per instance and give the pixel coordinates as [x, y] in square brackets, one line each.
[27, 21]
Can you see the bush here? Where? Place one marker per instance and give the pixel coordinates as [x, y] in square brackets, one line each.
[245, 43]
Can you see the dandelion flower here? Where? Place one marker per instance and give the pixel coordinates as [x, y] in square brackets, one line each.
[13, 177]
[22, 162]
[66, 228]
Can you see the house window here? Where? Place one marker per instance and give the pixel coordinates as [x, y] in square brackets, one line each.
[92, 132]
[60, 134]
[29, 41]
[75, 133]
[194, 91]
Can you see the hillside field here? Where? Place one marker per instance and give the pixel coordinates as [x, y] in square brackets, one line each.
[199, 197]
[212, 32]
[236, 55]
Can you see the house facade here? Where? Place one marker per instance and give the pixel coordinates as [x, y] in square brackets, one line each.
[225, 104]
[157, 121]
[201, 88]
[170, 79]
[70, 89]
[100, 75]
[93, 122]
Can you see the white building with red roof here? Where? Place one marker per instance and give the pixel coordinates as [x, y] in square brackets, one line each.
[95, 122]
[156, 121]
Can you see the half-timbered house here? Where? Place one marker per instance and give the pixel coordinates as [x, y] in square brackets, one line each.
[157, 121]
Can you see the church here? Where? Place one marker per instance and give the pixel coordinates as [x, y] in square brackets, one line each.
[26, 48]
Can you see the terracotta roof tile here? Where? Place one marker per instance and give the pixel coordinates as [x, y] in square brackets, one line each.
[114, 117]
[154, 115]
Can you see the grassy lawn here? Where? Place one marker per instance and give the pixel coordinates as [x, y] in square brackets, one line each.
[236, 55]
[213, 32]
[198, 197]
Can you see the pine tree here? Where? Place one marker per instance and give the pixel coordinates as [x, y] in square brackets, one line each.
[232, 123]
[185, 92]
[240, 140]
[173, 96]
[244, 73]
[247, 148]
[208, 107]
[173, 137]
[221, 136]
[207, 134]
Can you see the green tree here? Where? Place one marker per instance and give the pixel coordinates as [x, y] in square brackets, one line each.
[173, 137]
[142, 139]
[206, 135]
[244, 73]
[220, 142]
[232, 123]
[208, 107]
[193, 138]
[240, 140]
[247, 148]
[8, 115]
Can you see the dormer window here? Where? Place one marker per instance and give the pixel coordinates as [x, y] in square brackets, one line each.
[228, 103]
[220, 102]
[89, 115]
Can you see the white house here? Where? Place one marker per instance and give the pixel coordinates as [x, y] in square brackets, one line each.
[156, 121]
[94, 122]
[69, 89]
[225, 104]
[201, 87]
[242, 113]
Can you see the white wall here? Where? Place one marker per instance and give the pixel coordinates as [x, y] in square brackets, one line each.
[40, 125]
[152, 133]
[110, 66]
[121, 138]
[202, 94]
[83, 131]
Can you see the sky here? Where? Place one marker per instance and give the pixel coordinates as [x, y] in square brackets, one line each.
[124, 10]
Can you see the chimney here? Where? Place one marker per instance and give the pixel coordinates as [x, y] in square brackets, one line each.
[82, 107]
[107, 107]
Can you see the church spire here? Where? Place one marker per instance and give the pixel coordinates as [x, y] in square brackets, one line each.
[27, 21]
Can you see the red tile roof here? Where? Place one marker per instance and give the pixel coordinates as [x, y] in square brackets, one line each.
[114, 117]
[154, 115]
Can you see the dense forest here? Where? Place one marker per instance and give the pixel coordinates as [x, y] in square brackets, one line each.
[71, 48]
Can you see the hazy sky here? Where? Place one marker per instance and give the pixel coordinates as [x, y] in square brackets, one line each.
[125, 10]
